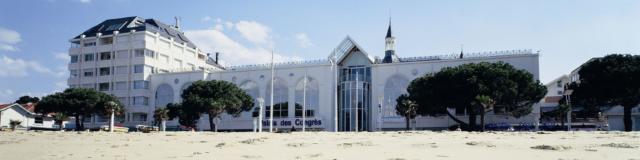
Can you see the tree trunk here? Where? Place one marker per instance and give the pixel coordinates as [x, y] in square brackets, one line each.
[78, 127]
[111, 120]
[163, 124]
[211, 124]
[627, 118]
[407, 120]
[482, 121]
[462, 124]
[472, 121]
[60, 125]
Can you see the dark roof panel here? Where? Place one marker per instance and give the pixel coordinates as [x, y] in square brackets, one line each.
[126, 24]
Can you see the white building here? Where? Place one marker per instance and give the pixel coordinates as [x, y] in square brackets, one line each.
[349, 81]
[25, 114]
[118, 56]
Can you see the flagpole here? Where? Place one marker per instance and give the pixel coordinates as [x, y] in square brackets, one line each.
[271, 101]
[304, 102]
[335, 94]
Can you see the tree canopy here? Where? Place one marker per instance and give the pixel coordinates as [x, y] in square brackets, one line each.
[477, 88]
[77, 102]
[27, 99]
[216, 97]
[406, 108]
[609, 81]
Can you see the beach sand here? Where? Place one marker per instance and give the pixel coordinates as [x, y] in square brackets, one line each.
[320, 145]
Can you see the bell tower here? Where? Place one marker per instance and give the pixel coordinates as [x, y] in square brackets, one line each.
[390, 47]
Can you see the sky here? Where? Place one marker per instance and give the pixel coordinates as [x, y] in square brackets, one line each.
[34, 34]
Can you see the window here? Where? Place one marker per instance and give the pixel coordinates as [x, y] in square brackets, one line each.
[140, 100]
[74, 59]
[105, 71]
[164, 58]
[88, 85]
[138, 68]
[106, 41]
[88, 57]
[105, 56]
[191, 66]
[280, 99]
[559, 92]
[88, 72]
[139, 117]
[178, 63]
[140, 84]
[149, 53]
[73, 73]
[149, 69]
[138, 53]
[122, 54]
[89, 44]
[103, 86]
[122, 70]
[163, 71]
[122, 85]
[123, 100]
[38, 119]
[559, 84]
[311, 89]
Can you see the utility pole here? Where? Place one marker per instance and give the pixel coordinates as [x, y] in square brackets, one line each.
[271, 102]
[304, 102]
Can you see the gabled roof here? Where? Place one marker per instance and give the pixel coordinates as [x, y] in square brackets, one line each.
[126, 24]
[344, 49]
[7, 106]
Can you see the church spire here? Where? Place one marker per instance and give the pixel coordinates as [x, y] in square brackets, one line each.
[389, 30]
[390, 47]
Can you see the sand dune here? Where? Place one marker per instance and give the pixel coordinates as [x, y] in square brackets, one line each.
[320, 145]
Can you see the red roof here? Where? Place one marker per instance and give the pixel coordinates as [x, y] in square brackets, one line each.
[2, 106]
[31, 107]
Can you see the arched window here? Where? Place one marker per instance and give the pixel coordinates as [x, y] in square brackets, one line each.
[164, 95]
[251, 88]
[395, 86]
[280, 99]
[311, 100]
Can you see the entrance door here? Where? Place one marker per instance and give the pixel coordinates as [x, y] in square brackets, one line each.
[354, 99]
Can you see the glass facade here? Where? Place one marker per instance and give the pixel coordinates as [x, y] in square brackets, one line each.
[354, 99]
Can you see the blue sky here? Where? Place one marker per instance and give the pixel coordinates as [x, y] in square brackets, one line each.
[34, 34]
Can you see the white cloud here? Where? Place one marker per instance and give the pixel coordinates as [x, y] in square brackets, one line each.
[254, 32]
[233, 52]
[206, 19]
[85, 1]
[8, 39]
[218, 27]
[303, 40]
[19, 68]
[62, 56]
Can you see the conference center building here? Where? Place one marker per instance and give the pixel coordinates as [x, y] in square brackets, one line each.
[147, 64]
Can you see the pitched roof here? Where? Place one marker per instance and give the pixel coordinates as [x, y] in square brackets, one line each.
[2, 106]
[7, 106]
[389, 31]
[126, 24]
[344, 49]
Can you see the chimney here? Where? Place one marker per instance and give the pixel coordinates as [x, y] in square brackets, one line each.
[177, 22]
[217, 55]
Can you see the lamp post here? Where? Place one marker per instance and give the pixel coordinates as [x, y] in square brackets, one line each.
[567, 93]
[380, 98]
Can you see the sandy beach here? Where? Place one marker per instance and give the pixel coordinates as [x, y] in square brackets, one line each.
[320, 145]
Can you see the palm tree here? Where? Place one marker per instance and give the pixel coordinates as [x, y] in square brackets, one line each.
[60, 118]
[407, 108]
[112, 107]
[161, 115]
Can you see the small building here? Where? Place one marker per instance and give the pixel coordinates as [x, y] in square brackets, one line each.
[24, 113]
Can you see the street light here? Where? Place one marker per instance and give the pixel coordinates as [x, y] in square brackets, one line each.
[567, 93]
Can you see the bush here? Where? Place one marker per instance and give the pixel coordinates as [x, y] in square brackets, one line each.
[14, 124]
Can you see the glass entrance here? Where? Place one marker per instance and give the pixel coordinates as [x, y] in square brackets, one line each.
[354, 99]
